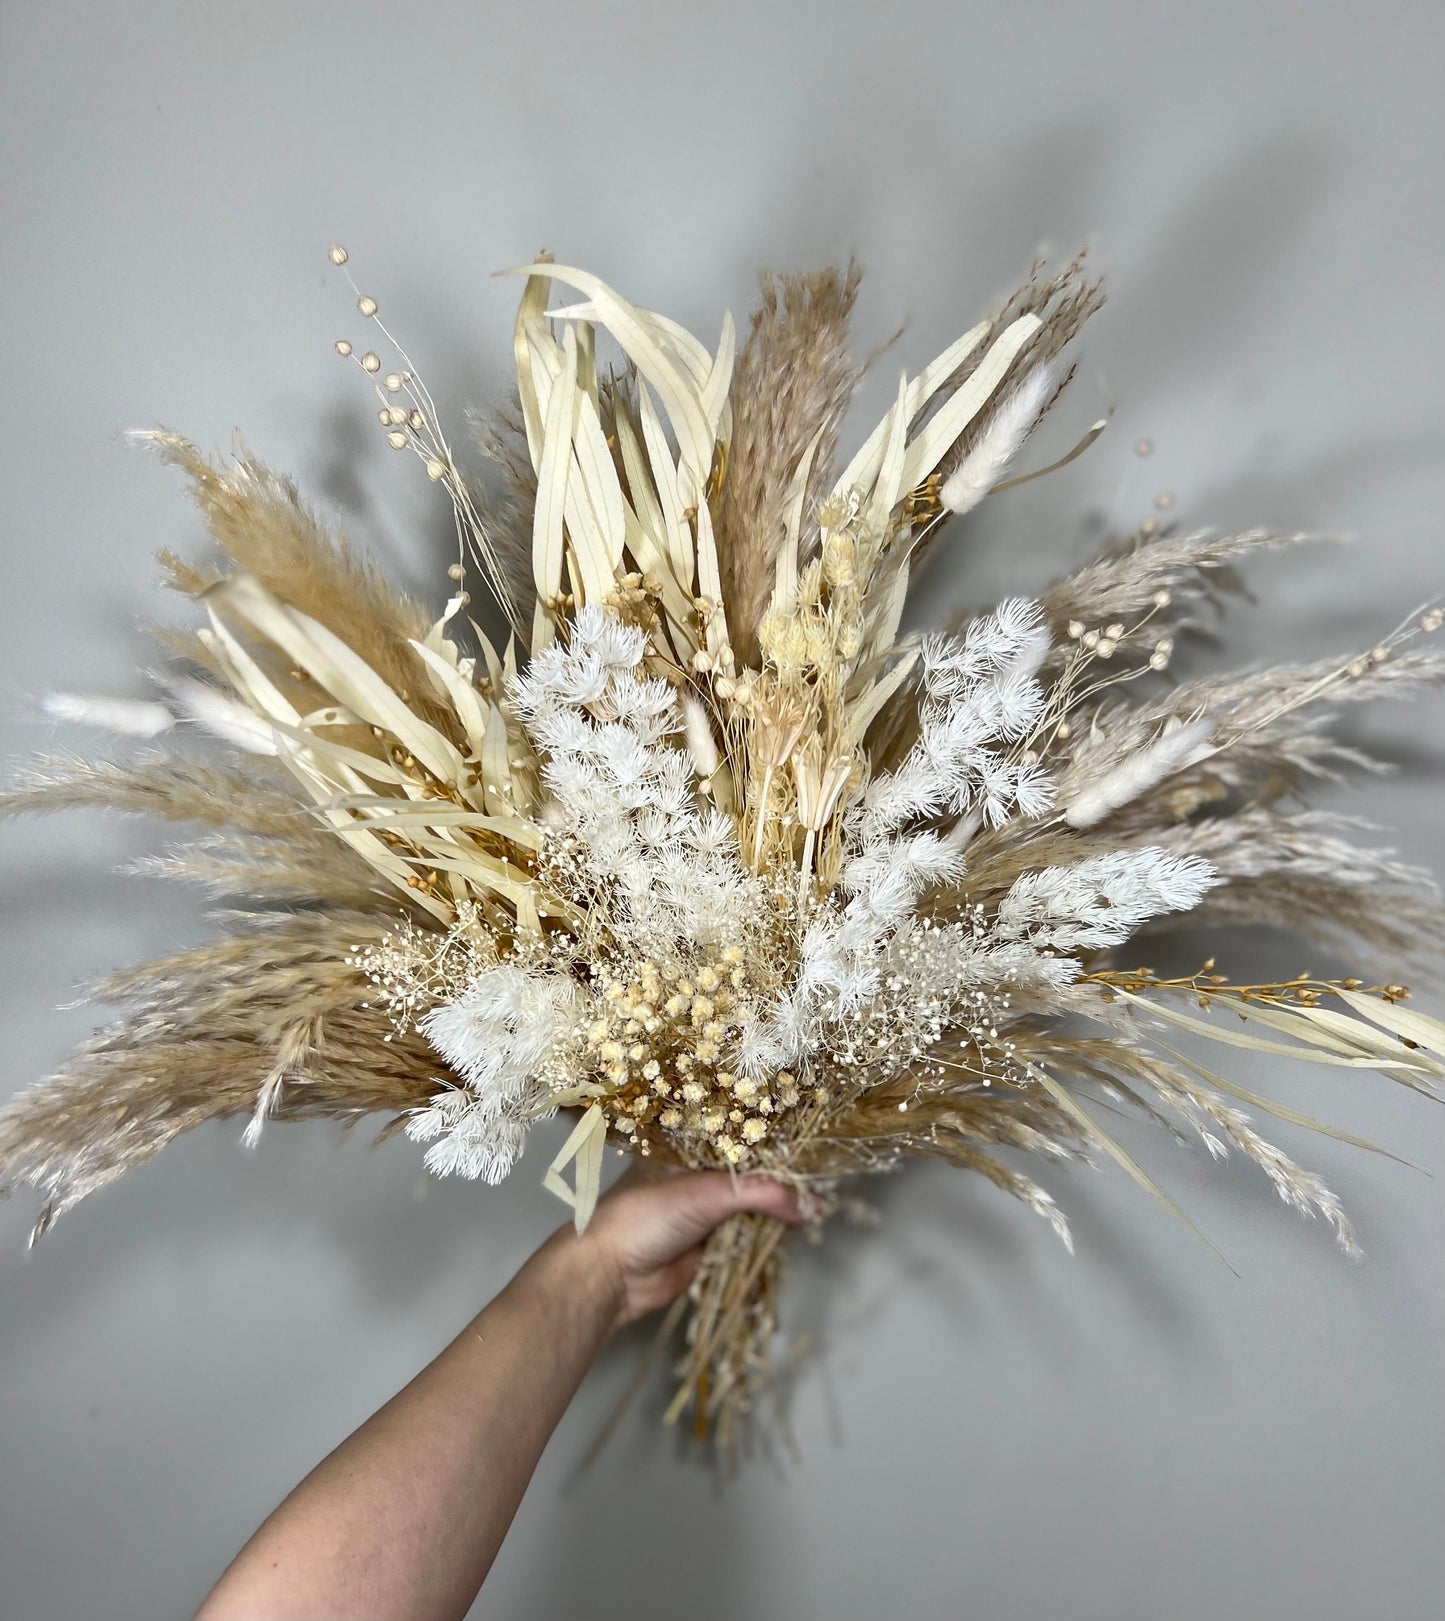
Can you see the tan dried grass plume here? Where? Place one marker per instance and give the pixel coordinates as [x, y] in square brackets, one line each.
[269, 1022]
[792, 383]
[261, 524]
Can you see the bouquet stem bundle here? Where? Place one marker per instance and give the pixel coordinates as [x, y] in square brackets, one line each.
[732, 1328]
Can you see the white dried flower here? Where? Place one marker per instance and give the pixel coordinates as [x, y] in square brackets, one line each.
[1178, 747]
[1102, 900]
[495, 1036]
[1000, 442]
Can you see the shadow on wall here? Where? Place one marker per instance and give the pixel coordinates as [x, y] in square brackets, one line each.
[1177, 318]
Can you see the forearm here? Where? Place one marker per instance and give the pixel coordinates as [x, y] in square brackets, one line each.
[406, 1516]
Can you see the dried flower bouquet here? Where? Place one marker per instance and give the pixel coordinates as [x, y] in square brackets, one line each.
[709, 854]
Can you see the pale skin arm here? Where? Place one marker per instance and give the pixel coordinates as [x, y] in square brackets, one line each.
[404, 1518]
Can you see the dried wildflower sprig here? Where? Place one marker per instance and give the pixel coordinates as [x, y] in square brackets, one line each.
[411, 421]
[1383, 1035]
[710, 854]
[1208, 985]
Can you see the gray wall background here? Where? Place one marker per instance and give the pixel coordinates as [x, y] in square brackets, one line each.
[987, 1427]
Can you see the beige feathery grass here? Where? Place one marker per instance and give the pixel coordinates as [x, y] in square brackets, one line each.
[206, 1030]
[792, 384]
[174, 789]
[262, 526]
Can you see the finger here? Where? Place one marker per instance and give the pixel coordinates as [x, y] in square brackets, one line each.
[767, 1197]
[703, 1199]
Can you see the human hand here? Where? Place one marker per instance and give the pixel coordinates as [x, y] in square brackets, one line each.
[645, 1238]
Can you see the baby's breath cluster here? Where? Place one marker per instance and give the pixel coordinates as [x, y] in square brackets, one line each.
[660, 1043]
[411, 970]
